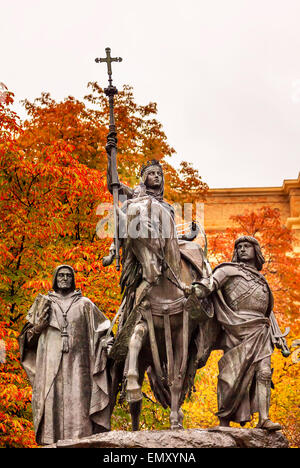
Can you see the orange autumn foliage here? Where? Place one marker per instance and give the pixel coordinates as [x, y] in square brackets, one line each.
[52, 181]
[283, 274]
[282, 271]
[15, 394]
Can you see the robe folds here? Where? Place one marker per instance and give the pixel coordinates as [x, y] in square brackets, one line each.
[244, 318]
[70, 397]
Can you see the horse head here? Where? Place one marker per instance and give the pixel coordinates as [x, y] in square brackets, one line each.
[151, 236]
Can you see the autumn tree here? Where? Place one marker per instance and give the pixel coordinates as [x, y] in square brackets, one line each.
[15, 394]
[52, 181]
[282, 272]
[48, 202]
[48, 211]
[281, 268]
[84, 125]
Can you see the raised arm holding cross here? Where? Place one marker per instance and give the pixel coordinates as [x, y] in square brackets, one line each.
[115, 184]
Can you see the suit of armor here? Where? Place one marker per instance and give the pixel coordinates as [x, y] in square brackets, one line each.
[243, 305]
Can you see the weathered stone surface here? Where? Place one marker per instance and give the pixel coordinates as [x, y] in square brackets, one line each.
[215, 437]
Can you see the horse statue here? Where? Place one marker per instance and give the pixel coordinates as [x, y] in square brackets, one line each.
[162, 330]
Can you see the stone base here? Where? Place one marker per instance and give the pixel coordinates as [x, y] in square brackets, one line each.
[215, 437]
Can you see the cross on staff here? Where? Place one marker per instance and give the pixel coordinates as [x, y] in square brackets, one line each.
[110, 91]
[109, 61]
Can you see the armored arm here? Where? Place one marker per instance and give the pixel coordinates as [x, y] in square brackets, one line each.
[206, 286]
[112, 173]
[203, 288]
[117, 189]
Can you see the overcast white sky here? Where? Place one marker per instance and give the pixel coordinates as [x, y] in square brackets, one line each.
[224, 73]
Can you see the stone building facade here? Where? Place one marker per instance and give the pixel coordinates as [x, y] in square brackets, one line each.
[221, 204]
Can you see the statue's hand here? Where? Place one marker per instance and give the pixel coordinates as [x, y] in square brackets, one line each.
[188, 290]
[194, 228]
[191, 234]
[108, 259]
[111, 142]
[106, 343]
[197, 289]
[200, 291]
[204, 287]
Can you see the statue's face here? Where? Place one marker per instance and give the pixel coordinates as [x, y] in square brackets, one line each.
[154, 178]
[245, 251]
[64, 278]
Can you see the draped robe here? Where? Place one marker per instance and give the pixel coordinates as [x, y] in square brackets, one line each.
[70, 397]
[243, 303]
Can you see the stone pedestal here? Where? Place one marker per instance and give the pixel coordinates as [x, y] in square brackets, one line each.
[215, 437]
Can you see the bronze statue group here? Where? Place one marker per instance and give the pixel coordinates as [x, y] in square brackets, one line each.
[173, 314]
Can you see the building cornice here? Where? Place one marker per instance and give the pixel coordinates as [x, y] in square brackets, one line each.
[284, 190]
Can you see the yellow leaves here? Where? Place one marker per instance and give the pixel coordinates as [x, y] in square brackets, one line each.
[283, 274]
[15, 395]
[285, 399]
[16, 432]
[201, 407]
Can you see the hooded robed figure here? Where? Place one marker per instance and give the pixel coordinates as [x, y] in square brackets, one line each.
[66, 362]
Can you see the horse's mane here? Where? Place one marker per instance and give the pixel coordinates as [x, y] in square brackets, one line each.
[161, 240]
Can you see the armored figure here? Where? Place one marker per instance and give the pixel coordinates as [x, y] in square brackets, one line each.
[154, 332]
[151, 185]
[150, 189]
[64, 350]
[243, 305]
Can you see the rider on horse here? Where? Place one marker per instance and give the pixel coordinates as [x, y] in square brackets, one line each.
[142, 276]
[151, 186]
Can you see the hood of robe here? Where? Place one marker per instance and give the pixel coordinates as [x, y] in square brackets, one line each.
[55, 273]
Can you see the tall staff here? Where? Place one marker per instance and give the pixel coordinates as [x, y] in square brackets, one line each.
[110, 92]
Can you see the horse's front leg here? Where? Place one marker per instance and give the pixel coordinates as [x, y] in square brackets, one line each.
[176, 414]
[134, 389]
[135, 411]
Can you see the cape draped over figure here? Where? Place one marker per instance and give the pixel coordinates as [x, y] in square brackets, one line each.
[138, 279]
[133, 284]
[70, 396]
[145, 259]
[247, 339]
